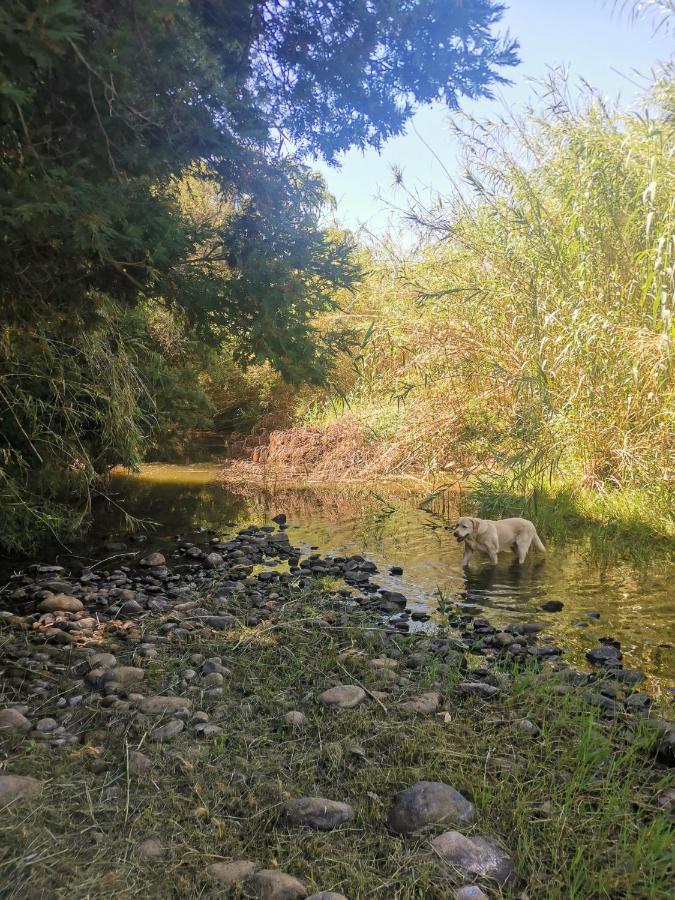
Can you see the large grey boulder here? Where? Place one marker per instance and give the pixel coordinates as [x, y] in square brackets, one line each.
[428, 803]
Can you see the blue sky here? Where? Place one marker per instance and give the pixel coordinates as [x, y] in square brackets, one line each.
[585, 36]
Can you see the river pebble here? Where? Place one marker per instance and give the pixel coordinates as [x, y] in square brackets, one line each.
[428, 803]
[317, 812]
[272, 884]
[475, 856]
[229, 873]
[344, 696]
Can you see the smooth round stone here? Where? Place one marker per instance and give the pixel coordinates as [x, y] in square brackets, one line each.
[344, 696]
[428, 803]
[18, 787]
[102, 661]
[425, 705]
[163, 705]
[14, 721]
[317, 812]
[151, 849]
[271, 884]
[168, 731]
[552, 606]
[295, 718]
[477, 856]
[470, 892]
[139, 763]
[47, 725]
[228, 873]
[153, 560]
[528, 727]
[61, 603]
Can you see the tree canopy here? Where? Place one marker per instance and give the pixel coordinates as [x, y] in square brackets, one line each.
[106, 109]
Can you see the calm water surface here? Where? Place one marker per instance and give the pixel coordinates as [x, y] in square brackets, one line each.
[635, 606]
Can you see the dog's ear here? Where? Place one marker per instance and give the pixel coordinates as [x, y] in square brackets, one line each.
[476, 524]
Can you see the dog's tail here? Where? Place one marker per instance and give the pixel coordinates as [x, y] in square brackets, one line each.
[537, 544]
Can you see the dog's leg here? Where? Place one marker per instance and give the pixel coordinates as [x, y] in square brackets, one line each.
[468, 553]
[492, 550]
[522, 546]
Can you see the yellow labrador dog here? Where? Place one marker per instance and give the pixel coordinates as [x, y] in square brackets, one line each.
[493, 537]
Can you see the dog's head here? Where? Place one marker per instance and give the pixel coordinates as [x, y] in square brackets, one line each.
[464, 527]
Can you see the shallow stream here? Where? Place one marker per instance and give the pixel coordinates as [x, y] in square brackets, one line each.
[384, 523]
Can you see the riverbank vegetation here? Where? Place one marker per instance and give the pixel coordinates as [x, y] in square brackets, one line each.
[159, 212]
[570, 792]
[527, 347]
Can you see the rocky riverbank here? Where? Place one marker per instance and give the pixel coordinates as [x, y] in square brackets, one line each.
[241, 717]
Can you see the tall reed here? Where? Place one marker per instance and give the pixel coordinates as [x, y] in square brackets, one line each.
[533, 335]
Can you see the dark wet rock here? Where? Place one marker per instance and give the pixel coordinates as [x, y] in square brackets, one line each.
[280, 518]
[213, 560]
[153, 560]
[166, 732]
[396, 570]
[664, 740]
[478, 687]
[414, 661]
[477, 856]
[545, 651]
[593, 615]
[14, 788]
[344, 696]
[229, 873]
[317, 812]
[130, 608]
[57, 586]
[638, 701]
[219, 623]
[630, 677]
[214, 664]
[271, 884]
[605, 655]
[428, 803]
[552, 606]
[13, 721]
[61, 603]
